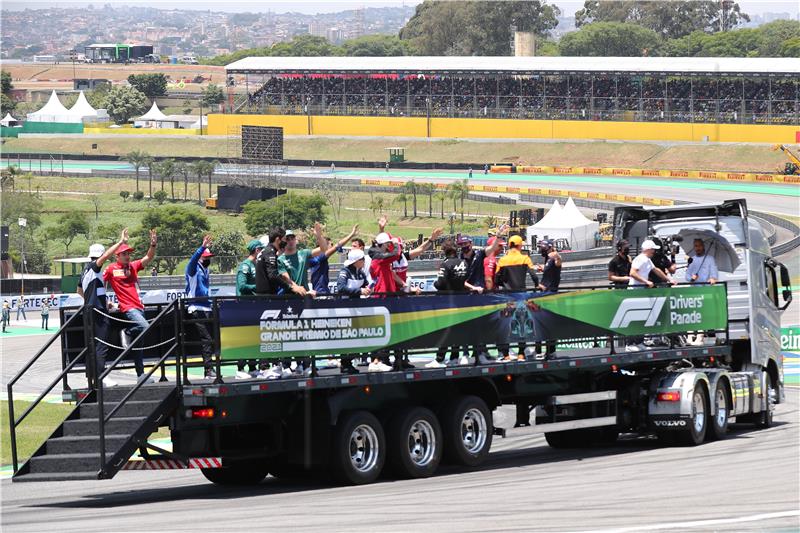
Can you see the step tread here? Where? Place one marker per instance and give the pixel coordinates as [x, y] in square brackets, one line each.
[115, 419]
[56, 476]
[65, 456]
[86, 438]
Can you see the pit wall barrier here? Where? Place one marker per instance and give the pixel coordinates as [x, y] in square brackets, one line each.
[485, 128]
[539, 191]
[648, 173]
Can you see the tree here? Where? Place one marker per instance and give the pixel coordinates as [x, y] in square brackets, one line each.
[108, 233]
[160, 196]
[69, 226]
[124, 195]
[179, 234]
[166, 170]
[475, 28]
[287, 210]
[123, 103]
[790, 47]
[137, 159]
[428, 189]
[151, 85]
[204, 169]
[304, 46]
[7, 105]
[95, 199]
[16, 205]
[150, 163]
[669, 19]
[334, 191]
[610, 39]
[184, 169]
[402, 198]
[8, 177]
[213, 95]
[228, 247]
[377, 204]
[441, 196]
[777, 38]
[375, 46]
[411, 188]
[458, 191]
[138, 195]
[5, 82]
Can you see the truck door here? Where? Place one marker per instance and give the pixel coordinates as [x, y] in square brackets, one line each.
[765, 313]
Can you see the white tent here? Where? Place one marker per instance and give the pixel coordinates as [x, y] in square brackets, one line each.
[84, 110]
[566, 223]
[8, 121]
[150, 119]
[53, 111]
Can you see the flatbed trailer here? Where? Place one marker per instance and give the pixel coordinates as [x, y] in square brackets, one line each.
[352, 428]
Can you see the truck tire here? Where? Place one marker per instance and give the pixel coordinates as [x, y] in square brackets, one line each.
[697, 426]
[414, 443]
[238, 473]
[565, 439]
[359, 448]
[718, 424]
[765, 418]
[467, 430]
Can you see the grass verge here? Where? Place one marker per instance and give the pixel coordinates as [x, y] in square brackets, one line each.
[33, 431]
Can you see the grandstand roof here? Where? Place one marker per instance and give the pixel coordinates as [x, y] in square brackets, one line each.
[731, 66]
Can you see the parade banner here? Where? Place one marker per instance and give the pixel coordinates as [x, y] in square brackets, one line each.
[274, 328]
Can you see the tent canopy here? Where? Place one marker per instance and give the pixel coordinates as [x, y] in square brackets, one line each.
[82, 107]
[154, 114]
[53, 111]
[565, 223]
[8, 120]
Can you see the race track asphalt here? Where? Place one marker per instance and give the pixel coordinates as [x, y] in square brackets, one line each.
[747, 482]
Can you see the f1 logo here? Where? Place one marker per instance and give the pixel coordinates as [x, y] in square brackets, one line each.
[270, 314]
[638, 310]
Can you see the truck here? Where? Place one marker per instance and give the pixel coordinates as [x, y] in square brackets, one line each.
[352, 428]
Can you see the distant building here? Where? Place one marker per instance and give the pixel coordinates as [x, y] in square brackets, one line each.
[117, 53]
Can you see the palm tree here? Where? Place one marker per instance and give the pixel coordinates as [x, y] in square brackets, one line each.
[166, 170]
[202, 169]
[150, 162]
[184, 170]
[412, 188]
[458, 190]
[137, 159]
[428, 189]
[402, 198]
[441, 196]
[453, 194]
[377, 205]
[8, 177]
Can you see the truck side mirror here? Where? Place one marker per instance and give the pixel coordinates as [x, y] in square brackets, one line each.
[786, 283]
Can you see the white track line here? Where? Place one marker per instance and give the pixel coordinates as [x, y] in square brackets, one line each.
[700, 523]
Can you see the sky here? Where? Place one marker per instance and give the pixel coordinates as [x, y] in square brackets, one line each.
[568, 7]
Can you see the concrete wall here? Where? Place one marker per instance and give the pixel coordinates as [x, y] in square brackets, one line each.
[507, 128]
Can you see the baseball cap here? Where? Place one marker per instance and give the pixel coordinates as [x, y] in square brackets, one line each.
[383, 238]
[96, 250]
[650, 245]
[264, 240]
[463, 242]
[353, 256]
[492, 240]
[289, 233]
[516, 240]
[207, 253]
[253, 245]
[123, 248]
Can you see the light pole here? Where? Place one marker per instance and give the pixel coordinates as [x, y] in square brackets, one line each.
[23, 223]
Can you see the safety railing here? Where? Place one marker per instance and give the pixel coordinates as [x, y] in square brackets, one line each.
[15, 422]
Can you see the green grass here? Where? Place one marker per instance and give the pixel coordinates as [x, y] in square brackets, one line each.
[33, 431]
[733, 157]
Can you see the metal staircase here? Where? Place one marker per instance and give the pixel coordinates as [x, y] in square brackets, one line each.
[90, 446]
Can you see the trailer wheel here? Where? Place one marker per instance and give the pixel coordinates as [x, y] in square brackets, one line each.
[765, 418]
[694, 432]
[238, 473]
[718, 424]
[467, 429]
[414, 443]
[359, 448]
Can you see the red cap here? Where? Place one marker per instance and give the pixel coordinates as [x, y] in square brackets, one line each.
[124, 248]
[206, 253]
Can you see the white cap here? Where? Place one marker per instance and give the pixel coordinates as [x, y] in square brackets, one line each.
[264, 240]
[382, 238]
[650, 245]
[354, 256]
[96, 250]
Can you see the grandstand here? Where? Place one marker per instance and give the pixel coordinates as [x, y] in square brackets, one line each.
[649, 89]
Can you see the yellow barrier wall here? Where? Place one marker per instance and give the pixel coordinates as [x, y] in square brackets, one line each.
[508, 128]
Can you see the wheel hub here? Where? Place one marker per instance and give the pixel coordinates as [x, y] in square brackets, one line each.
[421, 443]
[473, 430]
[364, 448]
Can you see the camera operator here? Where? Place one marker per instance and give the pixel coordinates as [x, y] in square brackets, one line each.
[663, 259]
